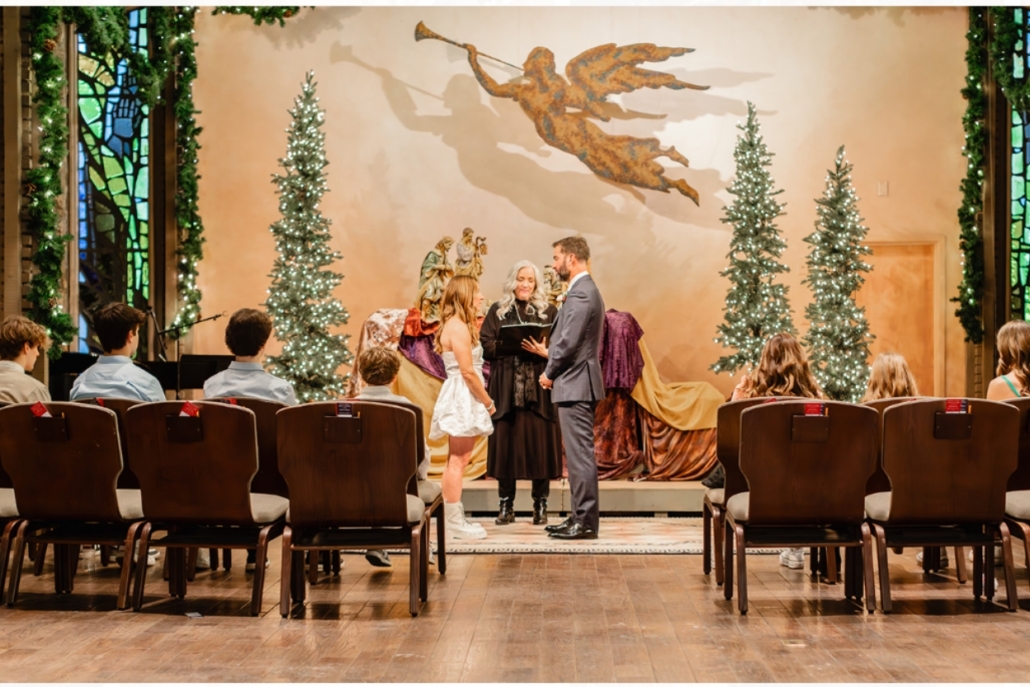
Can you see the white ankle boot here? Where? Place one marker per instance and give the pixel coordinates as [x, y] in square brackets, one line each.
[457, 526]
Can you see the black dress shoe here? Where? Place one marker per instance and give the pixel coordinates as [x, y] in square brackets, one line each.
[561, 527]
[576, 531]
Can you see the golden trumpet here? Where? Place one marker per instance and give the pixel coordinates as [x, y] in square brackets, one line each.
[423, 32]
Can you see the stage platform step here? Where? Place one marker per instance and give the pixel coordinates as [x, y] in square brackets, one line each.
[617, 496]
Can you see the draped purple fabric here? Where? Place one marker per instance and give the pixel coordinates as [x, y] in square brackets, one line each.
[419, 350]
[621, 362]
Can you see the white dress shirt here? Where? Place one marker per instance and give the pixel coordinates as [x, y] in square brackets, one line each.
[18, 387]
[249, 380]
[115, 376]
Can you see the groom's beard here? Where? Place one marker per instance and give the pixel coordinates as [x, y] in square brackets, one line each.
[563, 272]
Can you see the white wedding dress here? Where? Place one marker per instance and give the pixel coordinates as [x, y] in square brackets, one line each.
[458, 413]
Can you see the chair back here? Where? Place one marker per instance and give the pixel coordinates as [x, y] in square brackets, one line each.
[194, 469]
[808, 468]
[64, 467]
[949, 467]
[348, 470]
[879, 481]
[420, 436]
[5, 479]
[728, 442]
[127, 480]
[268, 479]
[1020, 479]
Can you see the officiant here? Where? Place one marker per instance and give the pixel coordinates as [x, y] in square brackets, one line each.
[526, 442]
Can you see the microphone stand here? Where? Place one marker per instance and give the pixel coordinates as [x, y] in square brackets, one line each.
[190, 324]
[162, 353]
[160, 335]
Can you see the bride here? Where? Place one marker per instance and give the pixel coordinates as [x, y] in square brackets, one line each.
[463, 408]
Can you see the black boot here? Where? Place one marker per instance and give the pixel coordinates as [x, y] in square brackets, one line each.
[507, 513]
[539, 511]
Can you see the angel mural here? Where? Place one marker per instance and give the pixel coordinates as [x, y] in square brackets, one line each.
[562, 109]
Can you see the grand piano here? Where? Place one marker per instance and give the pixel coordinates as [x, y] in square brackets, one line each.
[189, 372]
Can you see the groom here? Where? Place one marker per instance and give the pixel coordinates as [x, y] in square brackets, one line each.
[574, 371]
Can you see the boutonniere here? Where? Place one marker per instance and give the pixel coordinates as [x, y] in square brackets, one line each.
[561, 298]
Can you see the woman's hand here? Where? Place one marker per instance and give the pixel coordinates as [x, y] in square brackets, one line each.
[492, 408]
[534, 346]
[743, 389]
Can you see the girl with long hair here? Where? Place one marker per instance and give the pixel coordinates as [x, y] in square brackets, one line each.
[890, 378]
[782, 370]
[1013, 380]
[463, 408]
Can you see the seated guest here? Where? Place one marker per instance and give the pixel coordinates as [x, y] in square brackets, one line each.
[782, 371]
[890, 378]
[114, 375]
[246, 335]
[21, 342]
[378, 368]
[1013, 380]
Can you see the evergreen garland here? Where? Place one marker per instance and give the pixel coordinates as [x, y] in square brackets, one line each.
[42, 183]
[300, 299]
[838, 335]
[261, 15]
[187, 216]
[970, 213]
[1007, 55]
[756, 306]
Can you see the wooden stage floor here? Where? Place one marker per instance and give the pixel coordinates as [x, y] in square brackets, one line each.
[517, 618]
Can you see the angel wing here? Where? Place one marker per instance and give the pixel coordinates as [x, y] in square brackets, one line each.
[608, 69]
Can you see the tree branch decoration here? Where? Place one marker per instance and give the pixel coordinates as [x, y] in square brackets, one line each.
[970, 213]
[106, 30]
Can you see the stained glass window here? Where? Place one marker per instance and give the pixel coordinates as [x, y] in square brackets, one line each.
[1019, 268]
[114, 183]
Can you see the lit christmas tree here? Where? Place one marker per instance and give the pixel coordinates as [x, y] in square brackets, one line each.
[300, 299]
[838, 335]
[756, 306]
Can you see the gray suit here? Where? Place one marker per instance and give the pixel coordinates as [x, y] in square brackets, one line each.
[574, 364]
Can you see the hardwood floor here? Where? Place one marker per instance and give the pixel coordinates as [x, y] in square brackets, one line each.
[517, 618]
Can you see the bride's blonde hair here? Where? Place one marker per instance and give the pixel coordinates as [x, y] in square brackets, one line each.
[458, 300]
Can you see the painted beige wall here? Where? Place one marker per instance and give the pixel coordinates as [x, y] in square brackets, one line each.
[418, 150]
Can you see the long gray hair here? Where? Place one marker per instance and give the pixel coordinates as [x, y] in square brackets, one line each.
[537, 300]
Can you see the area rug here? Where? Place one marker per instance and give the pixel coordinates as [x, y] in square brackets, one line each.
[616, 535]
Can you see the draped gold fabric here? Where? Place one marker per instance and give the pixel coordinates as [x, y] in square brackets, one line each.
[422, 390]
[681, 405]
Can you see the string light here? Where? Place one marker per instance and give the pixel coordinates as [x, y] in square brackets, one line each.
[756, 306]
[300, 299]
[838, 336]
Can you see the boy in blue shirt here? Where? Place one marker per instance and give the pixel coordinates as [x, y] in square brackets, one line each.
[246, 335]
[114, 375]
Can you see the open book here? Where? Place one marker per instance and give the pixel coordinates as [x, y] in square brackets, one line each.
[510, 337]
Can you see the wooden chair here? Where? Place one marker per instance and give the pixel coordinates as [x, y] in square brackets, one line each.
[948, 474]
[65, 471]
[713, 506]
[9, 519]
[352, 486]
[268, 480]
[879, 482]
[1017, 497]
[806, 477]
[195, 475]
